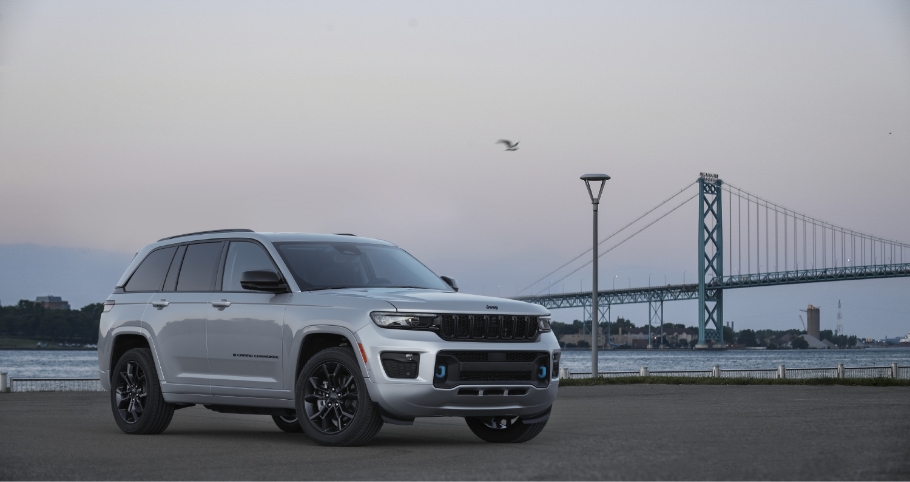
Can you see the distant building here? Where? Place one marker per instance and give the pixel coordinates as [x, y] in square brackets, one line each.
[574, 338]
[52, 302]
[813, 321]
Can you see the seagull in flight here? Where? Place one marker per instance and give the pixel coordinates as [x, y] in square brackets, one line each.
[509, 145]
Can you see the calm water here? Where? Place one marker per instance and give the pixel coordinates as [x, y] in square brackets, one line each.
[85, 363]
[49, 363]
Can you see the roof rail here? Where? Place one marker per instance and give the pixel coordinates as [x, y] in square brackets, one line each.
[345, 234]
[214, 231]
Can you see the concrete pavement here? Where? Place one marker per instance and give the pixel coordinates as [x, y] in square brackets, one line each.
[605, 432]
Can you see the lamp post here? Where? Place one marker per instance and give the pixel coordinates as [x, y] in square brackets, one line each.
[588, 179]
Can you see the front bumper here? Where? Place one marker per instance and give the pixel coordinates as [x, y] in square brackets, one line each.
[417, 397]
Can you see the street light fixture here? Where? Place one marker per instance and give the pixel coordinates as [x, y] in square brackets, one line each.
[588, 179]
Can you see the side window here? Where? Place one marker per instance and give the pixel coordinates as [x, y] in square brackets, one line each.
[243, 256]
[149, 276]
[199, 266]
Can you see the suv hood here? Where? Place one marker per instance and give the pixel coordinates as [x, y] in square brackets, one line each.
[432, 301]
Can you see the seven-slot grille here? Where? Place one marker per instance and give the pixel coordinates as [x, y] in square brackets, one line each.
[489, 327]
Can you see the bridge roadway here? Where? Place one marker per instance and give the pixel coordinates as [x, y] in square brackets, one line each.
[608, 432]
[679, 292]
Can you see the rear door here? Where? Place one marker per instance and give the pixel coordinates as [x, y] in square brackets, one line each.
[245, 327]
[177, 316]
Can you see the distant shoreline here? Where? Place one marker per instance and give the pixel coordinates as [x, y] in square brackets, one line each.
[48, 348]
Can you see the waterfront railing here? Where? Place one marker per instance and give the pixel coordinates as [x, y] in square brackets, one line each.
[18, 384]
[840, 371]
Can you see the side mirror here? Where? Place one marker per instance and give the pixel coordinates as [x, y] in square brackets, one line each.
[263, 280]
[451, 282]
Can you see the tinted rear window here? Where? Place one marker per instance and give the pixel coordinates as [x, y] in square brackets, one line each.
[149, 276]
[199, 266]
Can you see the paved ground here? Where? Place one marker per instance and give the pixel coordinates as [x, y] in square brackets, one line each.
[608, 432]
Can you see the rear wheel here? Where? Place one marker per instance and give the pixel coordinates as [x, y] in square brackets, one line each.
[287, 423]
[503, 429]
[136, 400]
[332, 400]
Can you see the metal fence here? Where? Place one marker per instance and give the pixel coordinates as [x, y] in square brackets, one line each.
[55, 385]
[840, 371]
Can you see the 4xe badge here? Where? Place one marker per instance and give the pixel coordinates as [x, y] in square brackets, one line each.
[492, 307]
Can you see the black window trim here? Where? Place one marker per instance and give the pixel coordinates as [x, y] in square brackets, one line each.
[181, 251]
[219, 275]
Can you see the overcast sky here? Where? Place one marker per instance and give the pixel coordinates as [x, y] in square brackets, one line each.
[124, 122]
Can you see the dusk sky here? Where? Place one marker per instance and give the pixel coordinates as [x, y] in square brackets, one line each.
[125, 122]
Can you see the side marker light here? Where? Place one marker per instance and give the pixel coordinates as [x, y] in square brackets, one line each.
[362, 353]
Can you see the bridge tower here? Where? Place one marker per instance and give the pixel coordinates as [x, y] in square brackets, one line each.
[710, 261]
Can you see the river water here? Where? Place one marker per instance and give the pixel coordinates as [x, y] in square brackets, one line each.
[65, 364]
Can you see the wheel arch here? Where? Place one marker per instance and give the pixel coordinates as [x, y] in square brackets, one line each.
[318, 338]
[124, 342]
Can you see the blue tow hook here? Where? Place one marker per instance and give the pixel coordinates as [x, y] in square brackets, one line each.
[441, 371]
[543, 372]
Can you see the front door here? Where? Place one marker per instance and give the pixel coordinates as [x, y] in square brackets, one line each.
[245, 327]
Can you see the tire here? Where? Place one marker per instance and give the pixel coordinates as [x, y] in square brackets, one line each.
[288, 424]
[510, 430]
[136, 400]
[332, 402]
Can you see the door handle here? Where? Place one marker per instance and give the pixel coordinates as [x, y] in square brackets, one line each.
[221, 304]
[160, 304]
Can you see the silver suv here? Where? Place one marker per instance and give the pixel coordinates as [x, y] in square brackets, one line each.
[331, 335]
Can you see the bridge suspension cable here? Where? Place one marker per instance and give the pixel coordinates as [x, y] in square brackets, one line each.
[799, 242]
[608, 238]
[601, 255]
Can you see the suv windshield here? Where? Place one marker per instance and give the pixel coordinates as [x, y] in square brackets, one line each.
[322, 265]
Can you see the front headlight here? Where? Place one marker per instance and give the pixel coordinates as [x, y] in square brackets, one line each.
[544, 323]
[402, 320]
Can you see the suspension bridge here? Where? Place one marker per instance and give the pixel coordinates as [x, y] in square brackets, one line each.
[764, 243]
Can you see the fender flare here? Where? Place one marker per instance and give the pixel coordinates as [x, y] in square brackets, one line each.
[319, 329]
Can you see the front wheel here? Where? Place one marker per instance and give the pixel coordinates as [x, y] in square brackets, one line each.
[136, 400]
[503, 429]
[332, 402]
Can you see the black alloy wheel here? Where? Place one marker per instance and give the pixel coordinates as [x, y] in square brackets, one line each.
[331, 397]
[504, 429]
[332, 402]
[131, 393]
[288, 423]
[136, 400]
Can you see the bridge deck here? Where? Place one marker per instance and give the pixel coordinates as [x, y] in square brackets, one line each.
[679, 292]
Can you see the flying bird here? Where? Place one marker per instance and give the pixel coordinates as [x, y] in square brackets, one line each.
[509, 145]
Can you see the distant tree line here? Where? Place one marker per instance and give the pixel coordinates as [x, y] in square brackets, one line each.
[750, 338]
[30, 320]
[560, 328]
[772, 338]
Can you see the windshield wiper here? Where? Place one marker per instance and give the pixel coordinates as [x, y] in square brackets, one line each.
[322, 288]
